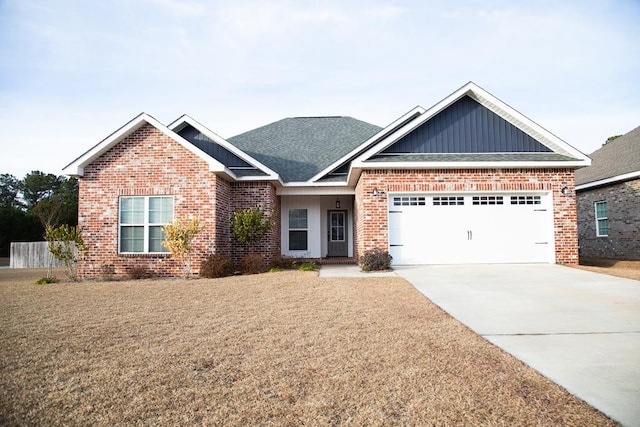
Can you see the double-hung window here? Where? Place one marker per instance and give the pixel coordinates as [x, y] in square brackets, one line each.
[141, 221]
[298, 229]
[602, 219]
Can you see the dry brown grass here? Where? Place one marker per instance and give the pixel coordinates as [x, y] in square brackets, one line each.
[273, 349]
[620, 268]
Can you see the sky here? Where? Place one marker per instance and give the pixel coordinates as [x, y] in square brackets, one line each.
[73, 72]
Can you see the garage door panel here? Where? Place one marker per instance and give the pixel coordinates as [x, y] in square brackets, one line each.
[471, 228]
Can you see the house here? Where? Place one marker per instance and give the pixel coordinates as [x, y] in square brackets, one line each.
[469, 180]
[608, 194]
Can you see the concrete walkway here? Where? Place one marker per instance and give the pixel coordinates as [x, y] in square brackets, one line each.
[580, 329]
[350, 270]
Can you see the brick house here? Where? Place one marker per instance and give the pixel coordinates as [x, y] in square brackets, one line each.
[608, 194]
[469, 180]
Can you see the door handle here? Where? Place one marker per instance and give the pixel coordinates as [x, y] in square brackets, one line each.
[469, 235]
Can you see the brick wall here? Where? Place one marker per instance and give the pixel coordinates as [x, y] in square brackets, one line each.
[370, 212]
[623, 205]
[150, 163]
[250, 195]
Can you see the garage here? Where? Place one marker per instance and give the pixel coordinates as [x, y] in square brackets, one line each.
[472, 228]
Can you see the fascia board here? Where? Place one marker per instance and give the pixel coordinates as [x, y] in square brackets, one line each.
[470, 165]
[76, 168]
[415, 111]
[222, 142]
[607, 181]
[307, 190]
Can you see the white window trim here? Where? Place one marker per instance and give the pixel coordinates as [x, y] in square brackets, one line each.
[297, 229]
[595, 208]
[146, 224]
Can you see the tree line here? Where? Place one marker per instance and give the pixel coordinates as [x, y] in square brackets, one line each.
[29, 205]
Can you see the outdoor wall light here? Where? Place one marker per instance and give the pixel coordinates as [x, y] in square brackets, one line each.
[375, 192]
[337, 203]
[565, 191]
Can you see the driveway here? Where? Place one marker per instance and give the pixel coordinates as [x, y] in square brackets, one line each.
[580, 329]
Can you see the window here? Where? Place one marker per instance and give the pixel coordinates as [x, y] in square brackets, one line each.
[448, 201]
[297, 229]
[141, 221]
[526, 200]
[602, 219]
[409, 201]
[487, 200]
[337, 226]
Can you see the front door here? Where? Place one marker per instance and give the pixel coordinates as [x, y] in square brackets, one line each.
[338, 245]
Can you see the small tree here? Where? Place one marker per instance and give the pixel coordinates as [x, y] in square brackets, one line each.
[66, 244]
[250, 225]
[178, 239]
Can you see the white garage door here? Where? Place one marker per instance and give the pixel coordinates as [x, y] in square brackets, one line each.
[470, 228]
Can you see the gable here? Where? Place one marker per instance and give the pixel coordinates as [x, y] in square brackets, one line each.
[466, 127]
[239, 166]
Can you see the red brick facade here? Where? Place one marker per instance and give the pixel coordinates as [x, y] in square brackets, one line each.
[150, 163]
[370, 211]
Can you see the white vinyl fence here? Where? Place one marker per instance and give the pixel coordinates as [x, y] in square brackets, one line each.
[32, 255]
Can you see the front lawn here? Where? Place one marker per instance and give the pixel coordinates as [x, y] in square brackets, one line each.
[285, 348]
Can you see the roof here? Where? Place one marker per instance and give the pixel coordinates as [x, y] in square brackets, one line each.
[300, 147]
[616, 161]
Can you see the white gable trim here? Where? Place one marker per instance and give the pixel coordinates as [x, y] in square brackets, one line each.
[606, 181]
[76, 168]
[185, 119]
[492, 103]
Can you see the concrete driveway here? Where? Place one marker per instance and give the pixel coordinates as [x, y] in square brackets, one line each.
[580, 329]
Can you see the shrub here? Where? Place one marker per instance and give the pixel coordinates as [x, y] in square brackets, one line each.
[308, 266]
[139, 272]
[216, 266]
[283, 263]
[66, 244]
[252, 264]
[107, 272]
[250, 225]
[375, 260]
[46, 280]
[178, 239]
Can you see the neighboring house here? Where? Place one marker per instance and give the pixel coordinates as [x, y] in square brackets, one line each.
[609, 200]
[469, 180]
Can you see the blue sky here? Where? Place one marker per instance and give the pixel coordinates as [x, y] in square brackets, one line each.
[72, 72]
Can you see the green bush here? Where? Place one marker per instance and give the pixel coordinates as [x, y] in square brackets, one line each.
[252, 264]
[216, 266]
[308, 266]
[375, 260]
[46, 280]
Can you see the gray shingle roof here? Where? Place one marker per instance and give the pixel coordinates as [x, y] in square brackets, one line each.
[300, 147]
[619, 157]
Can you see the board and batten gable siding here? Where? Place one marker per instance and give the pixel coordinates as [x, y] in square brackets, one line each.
[149, 163]
[466, 127]
[216, 151]
[371, 212]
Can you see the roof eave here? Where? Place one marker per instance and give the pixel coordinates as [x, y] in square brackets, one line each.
[608, 181]
[471, 165]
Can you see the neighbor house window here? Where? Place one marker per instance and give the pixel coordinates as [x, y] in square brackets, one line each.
[298, 229]
[141, 221]
[602, 219]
